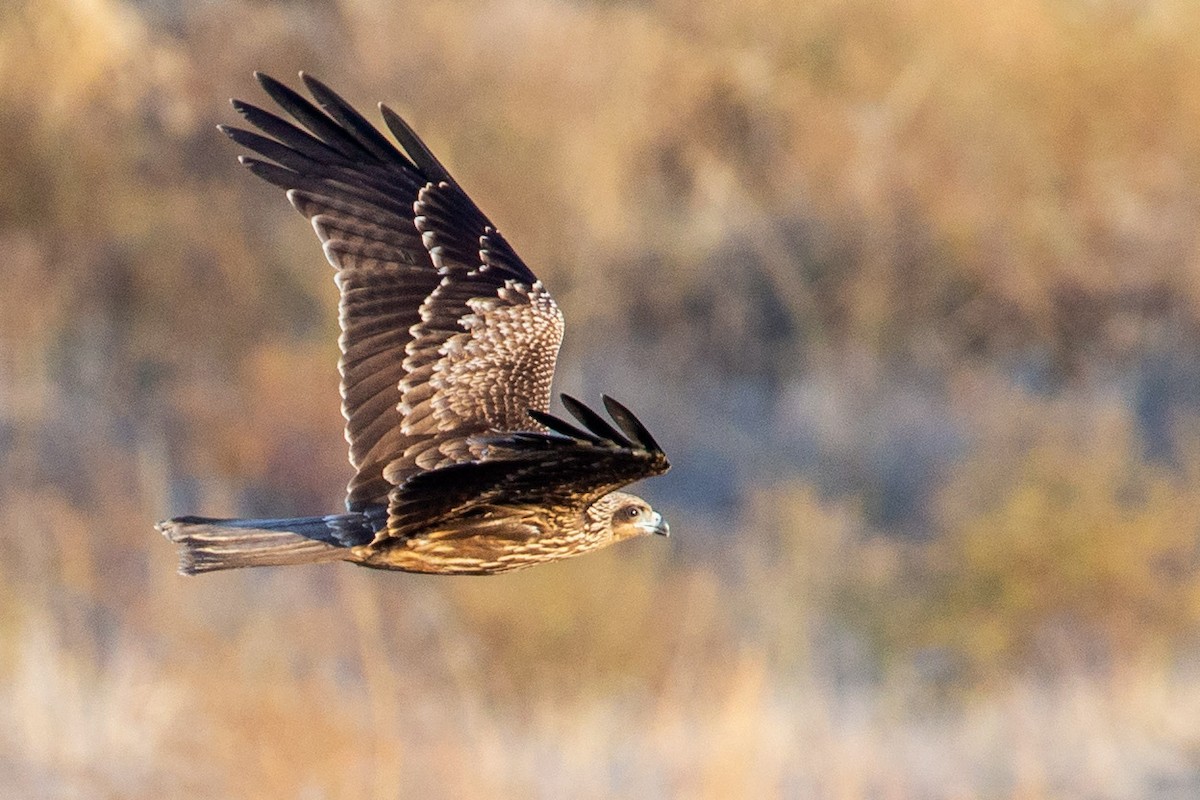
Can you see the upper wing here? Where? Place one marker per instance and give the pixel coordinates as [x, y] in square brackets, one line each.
[483, 353]
[429, 290]
[564, 470]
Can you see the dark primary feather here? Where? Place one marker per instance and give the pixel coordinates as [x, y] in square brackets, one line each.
[562, 427]
[284, 131]
[594, 422]
[308, 115]
[632, 426]
[350, 120]
[412, 144]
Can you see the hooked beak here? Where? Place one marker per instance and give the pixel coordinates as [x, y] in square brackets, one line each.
[656, 524]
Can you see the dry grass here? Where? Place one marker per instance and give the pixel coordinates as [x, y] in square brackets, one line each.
[796, 235]
[203, 722]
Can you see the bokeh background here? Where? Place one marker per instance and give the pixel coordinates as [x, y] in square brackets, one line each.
[909, 289]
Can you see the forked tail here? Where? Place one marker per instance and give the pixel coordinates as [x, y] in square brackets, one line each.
[207, 545]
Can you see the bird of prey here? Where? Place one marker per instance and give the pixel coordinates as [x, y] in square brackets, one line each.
[448, 349]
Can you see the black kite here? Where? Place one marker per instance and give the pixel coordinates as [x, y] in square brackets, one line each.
[448, 349]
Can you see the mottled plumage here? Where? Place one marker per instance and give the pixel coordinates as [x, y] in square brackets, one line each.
[448, 350]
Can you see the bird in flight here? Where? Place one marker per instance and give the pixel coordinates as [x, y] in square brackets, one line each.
[448, 349]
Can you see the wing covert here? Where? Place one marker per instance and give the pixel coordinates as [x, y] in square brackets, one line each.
[485, 349]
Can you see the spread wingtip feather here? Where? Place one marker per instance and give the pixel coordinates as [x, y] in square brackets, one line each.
[629, 423]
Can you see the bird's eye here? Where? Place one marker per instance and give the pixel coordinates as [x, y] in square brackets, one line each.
[633, 512]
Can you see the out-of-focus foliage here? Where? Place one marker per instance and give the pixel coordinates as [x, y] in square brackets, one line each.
[1088, 545]
[1076, 553]
[907, 289]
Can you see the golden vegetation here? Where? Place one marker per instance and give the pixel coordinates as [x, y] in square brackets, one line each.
[839, 253]
[1076, 554]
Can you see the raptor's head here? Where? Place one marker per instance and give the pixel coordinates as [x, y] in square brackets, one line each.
[626, 516]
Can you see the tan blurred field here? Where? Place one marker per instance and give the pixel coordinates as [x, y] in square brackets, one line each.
[910, 292]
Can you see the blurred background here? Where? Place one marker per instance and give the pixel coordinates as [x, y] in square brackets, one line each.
[908, 289]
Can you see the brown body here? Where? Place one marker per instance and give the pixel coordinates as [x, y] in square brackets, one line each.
[503, 540]
[449, 343]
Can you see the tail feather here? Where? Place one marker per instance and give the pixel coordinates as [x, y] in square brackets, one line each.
[207, 545]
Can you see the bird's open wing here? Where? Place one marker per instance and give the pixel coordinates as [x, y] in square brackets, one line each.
[430, 293]
[561, 471]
